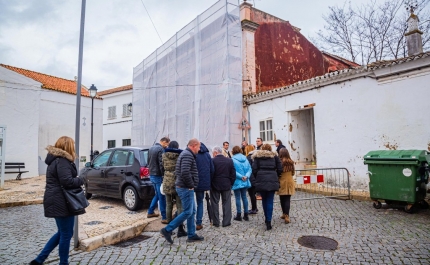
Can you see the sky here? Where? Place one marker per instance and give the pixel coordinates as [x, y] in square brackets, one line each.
[43, 35]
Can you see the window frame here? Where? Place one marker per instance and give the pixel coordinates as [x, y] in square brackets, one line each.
[125, 111]
[128, 141]
[111, 112]
[265, 132]
[111, 141]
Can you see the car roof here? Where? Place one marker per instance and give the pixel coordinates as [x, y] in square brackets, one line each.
[143, 147]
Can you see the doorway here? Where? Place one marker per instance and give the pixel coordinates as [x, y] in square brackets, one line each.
[301, 138]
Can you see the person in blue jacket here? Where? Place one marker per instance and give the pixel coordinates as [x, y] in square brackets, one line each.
[205, 167]
[242, 182]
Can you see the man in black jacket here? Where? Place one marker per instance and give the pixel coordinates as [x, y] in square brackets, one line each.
[222, 181]
[187, 180]
[279, 145]
[156, 173]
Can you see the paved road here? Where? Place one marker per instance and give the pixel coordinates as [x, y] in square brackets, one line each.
[365, 236]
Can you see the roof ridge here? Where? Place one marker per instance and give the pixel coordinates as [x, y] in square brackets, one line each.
[9, 66]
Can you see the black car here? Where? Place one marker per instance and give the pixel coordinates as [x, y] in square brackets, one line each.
[120, 173]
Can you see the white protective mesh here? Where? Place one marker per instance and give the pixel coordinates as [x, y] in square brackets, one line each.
[192, 85]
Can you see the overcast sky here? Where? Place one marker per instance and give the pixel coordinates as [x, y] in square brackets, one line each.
[43, 35]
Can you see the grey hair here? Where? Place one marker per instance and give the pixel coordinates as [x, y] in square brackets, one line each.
[217, 150]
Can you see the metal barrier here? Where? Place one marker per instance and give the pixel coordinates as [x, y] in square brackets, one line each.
[322, 183]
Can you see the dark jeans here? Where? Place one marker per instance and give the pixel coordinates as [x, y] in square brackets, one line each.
[251, 192]
[160, 198]
[188, 213]
[200, 195]
[267, 198]
[285, 203]
[61, 239]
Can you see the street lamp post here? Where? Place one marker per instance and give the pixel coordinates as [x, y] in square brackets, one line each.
[93, 94]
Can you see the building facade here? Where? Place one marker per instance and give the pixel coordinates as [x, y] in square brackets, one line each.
[335, 119]
[117, 116]
[38, 109]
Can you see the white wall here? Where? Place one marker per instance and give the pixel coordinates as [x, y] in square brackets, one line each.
[357, 116]
[119, 128]
[19, 108]
[58, 118]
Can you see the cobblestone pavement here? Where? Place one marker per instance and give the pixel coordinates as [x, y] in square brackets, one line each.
[365, 236]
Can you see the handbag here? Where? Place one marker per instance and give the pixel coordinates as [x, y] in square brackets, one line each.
[76, 200]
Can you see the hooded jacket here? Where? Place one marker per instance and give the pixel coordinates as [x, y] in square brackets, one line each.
[266, 169]
[170, 157]
[205, 167]
[61, 171]
[243, 169]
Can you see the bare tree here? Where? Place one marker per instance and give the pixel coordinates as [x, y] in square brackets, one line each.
[373, 31]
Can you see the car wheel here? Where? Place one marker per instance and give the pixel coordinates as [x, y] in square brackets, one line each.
[131, 199]
[87, 195]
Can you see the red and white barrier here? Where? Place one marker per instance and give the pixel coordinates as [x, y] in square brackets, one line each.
[308, 179]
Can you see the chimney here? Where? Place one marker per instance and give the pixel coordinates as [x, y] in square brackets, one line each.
[413, 35]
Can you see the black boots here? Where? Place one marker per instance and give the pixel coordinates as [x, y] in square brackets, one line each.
[181, 231]
[238, 217]
[245, 217]
[268, 225]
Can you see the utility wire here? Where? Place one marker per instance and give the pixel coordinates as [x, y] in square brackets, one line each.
[151, 20]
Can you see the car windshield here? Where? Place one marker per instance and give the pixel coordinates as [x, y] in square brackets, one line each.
[143, 157]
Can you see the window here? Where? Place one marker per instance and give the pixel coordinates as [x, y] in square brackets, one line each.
[266, 130]
[131, 158]
[119, 158]
[102, 159]
[126, 142]
[111, 143]
[144, 157]
[125, 111]
[112, 112]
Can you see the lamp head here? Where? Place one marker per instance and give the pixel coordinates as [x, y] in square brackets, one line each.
[93, 91]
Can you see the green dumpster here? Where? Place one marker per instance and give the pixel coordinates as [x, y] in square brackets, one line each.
[398, 177]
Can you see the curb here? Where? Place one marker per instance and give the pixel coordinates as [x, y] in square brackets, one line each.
[20, 203]
[113, 237]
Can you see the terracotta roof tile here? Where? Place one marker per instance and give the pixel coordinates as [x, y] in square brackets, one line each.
[114, 90]
[381, 64]
[49, 81]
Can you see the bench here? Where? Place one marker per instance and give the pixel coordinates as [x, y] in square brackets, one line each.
[11, 168]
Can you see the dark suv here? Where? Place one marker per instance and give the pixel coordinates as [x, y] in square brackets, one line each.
[120, 173]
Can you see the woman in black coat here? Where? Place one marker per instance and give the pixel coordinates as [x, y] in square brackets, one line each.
[266, 169]
[61, 172]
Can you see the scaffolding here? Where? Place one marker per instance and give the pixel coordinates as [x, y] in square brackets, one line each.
[191, 86]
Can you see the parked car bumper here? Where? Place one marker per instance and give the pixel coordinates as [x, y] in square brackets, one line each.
[146, 190]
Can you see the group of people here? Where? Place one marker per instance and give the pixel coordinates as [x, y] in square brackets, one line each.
[183, 176]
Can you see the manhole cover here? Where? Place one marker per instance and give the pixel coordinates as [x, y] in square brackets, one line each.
[93, 223]
[106, 207]
[318, 242]
[132, 241]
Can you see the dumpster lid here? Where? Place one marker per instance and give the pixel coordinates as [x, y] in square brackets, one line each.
[398, 155]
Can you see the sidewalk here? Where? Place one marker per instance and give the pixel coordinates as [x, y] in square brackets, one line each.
[107, 221]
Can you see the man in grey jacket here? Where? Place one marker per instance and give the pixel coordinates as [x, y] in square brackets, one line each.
[187, 179]
[156, 173]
